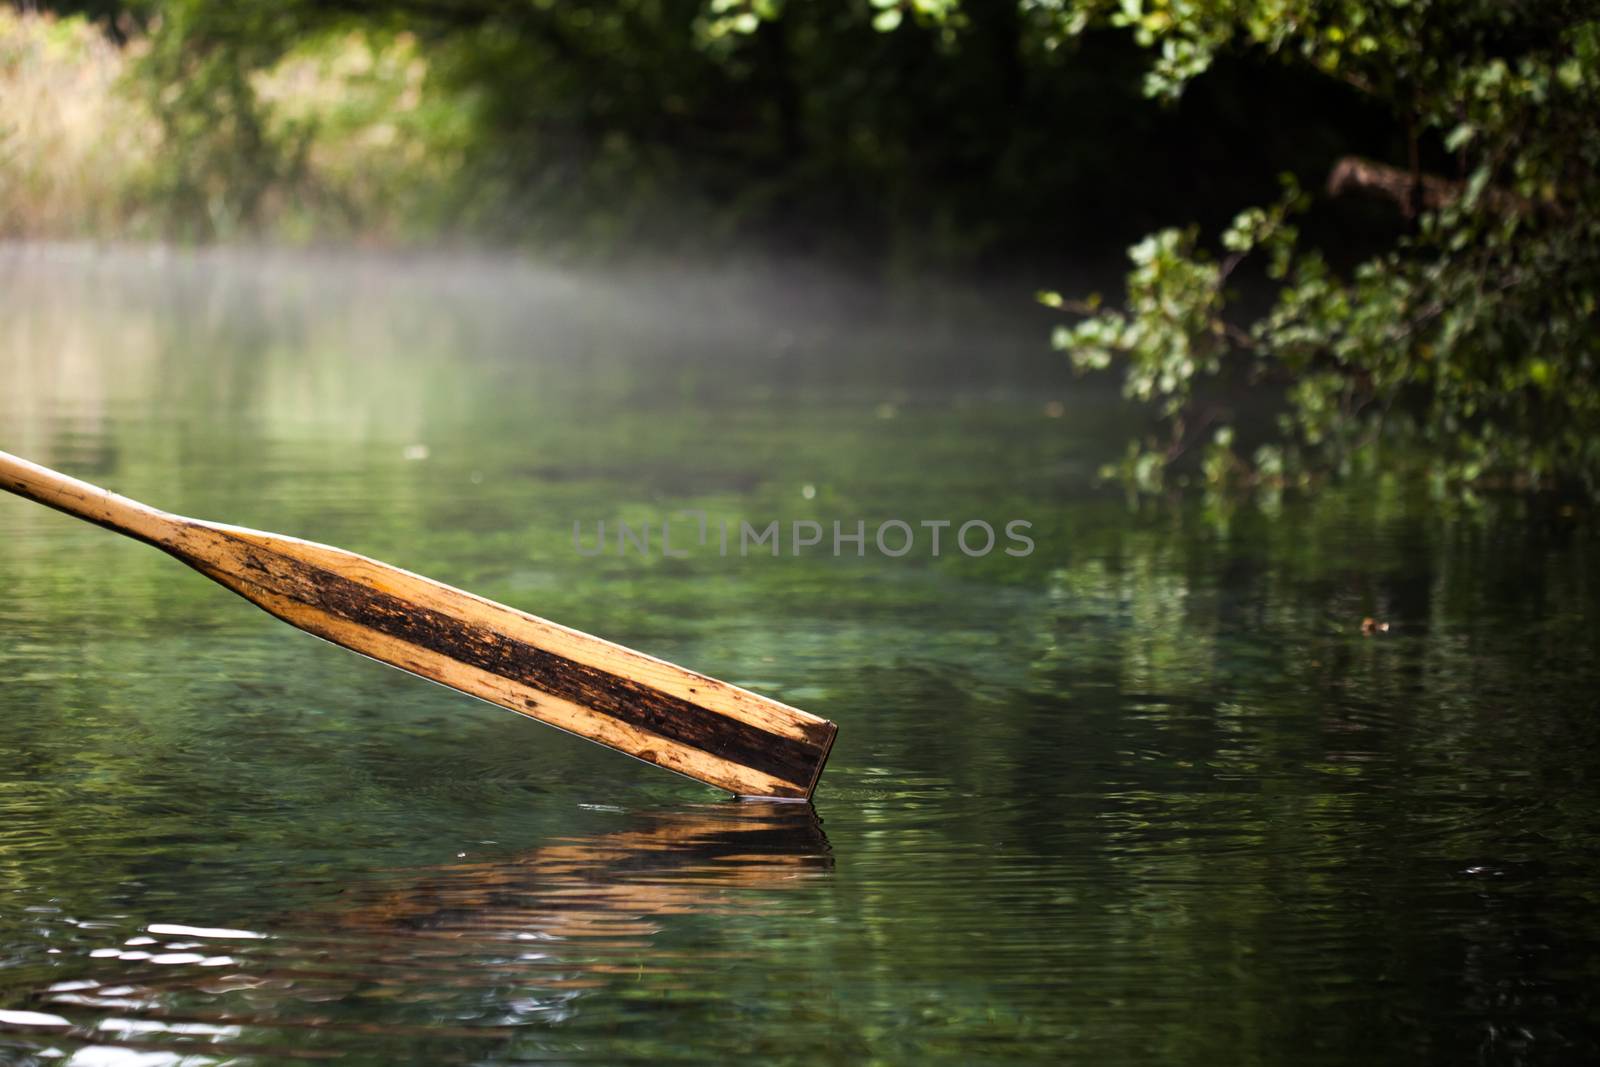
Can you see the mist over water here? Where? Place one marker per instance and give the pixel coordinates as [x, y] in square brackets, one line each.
[1146, 794]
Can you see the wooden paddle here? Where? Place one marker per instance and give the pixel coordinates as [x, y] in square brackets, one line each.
[657, 712]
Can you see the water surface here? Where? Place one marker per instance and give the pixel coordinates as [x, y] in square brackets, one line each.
[1148, 794]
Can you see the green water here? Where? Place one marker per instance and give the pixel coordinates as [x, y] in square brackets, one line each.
[1145, 795]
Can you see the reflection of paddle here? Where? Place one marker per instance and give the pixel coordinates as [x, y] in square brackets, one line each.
[663, 714]
[606, 885]
[504, 941]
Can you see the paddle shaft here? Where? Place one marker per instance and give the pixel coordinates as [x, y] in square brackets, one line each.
[99, 506]
[655, 711]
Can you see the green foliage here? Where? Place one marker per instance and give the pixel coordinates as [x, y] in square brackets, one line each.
[219, 160]
[607, 123]
[381, 147]
[930, 133]
[951, 141]
[1474, 336]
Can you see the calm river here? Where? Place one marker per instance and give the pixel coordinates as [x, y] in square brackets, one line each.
[1146, 793]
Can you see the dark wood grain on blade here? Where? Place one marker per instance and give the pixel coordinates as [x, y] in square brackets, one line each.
[797, 761]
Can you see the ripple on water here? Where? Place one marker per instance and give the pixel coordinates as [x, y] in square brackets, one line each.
[461, 959]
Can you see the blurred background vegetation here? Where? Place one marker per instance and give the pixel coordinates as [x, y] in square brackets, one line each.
[1363, 233]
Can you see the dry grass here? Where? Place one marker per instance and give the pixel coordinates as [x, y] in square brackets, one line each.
[73, 139]
[81, 153]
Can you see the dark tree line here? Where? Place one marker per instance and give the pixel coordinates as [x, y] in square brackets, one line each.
[1444, 303]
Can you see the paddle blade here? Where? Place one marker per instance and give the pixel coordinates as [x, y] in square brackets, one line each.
[655, 711]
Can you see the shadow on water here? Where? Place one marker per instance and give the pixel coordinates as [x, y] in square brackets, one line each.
[462, 959]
